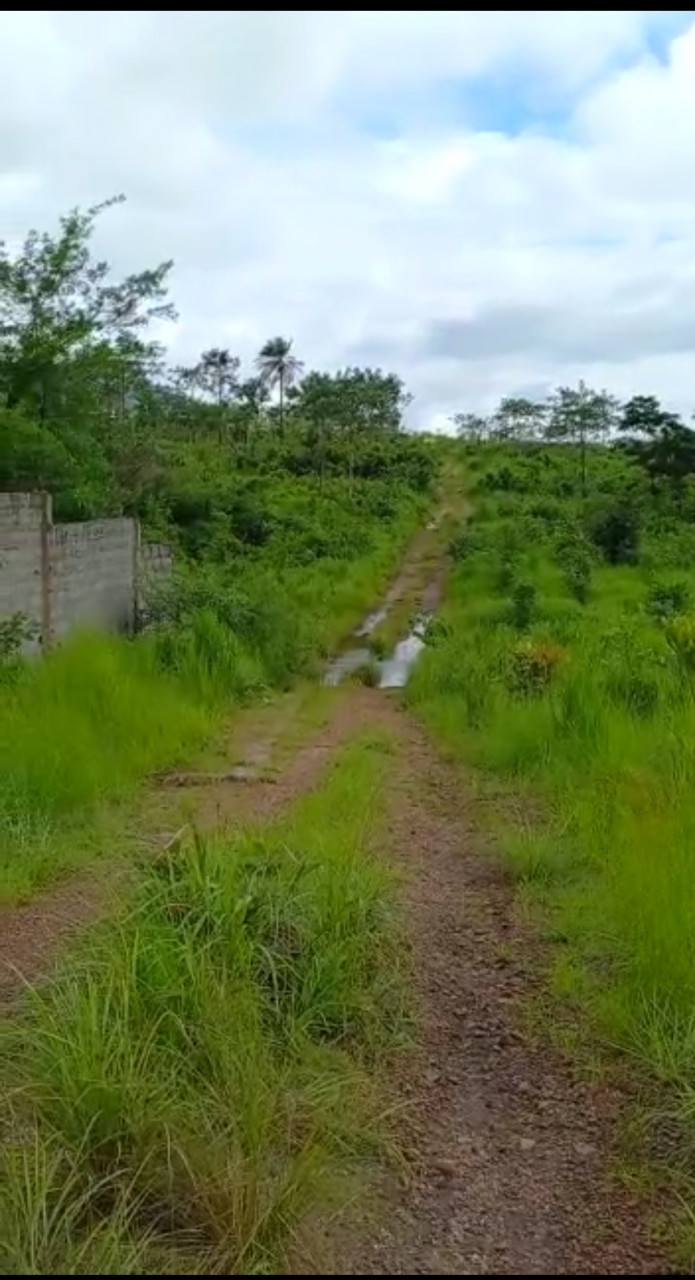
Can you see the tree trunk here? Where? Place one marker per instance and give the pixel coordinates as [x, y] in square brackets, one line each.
[282, 403]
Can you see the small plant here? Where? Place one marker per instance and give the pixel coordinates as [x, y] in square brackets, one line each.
[15, 631]
[523, 608]
[503, 479]
[367, 674]
[437, 631]
[460, 546]
[680, 634]
[668, 599]
[578, 580]
[638, 691]
[532, 668]
[377, 646]
[573, 554]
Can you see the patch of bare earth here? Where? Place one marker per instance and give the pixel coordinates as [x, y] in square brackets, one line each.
[32, 936]
[508, 1152]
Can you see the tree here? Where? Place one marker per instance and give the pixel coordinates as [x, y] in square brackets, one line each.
[253, 395]
[279, 368]
[217, 375]
[471, 427]
[660, 441]
[319, 405]
[580, 415]
[57, 305]
[355, 405]
[519, 418]
[643, 416]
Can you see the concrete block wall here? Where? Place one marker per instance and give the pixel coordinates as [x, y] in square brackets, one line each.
[156, 562]
[93, 568]
[24, 523]
[66, 575]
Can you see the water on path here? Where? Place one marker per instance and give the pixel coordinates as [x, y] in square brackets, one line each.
[393, 671]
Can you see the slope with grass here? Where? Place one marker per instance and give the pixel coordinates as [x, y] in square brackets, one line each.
[562, 668]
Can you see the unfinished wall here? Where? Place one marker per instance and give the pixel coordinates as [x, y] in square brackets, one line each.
[92, 575]
[61, 576]
[24, 523]
[155, 564]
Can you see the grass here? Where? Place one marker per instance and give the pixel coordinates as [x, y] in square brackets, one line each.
[202, 1073]
[588, 712]
[80, 730]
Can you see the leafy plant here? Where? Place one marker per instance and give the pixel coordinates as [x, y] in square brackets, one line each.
[15, 632]
[523, 605]
[680, 635]
[616, 532]
[667, 599]
[532, 667]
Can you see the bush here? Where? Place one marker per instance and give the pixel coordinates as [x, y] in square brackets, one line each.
[667, 599]
[504, 479]
[531, 668]
[616, 532]
[523, 606]
[573, 554]
[680, 635]
[15, 632]
[368, 674]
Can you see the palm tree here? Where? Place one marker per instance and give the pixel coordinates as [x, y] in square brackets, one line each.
[278, 367]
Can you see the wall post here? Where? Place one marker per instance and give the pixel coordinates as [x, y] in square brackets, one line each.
[46, 572]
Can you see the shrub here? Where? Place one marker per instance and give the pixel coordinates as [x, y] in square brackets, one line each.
[616, 532]
[667, 599]
[532, 667]
[578, 579]
[680, 634]
[461, 545]
[523, 607]
[504, 479]
[368, 674]
[573, 554]
[15, 631]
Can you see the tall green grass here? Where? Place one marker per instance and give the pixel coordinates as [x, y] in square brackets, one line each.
[76, 730]
[200, 1075]
[608, 747]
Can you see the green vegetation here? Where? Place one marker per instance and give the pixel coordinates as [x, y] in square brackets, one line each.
[201, 1074]
[564, 662]
[286, 520]
[80, 727]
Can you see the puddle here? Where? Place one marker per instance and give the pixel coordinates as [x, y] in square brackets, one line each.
[396, 669]
[371, 622]
[393, 671]
[345, 664]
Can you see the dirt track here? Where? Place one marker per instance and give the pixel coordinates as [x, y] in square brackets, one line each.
[508, 1153]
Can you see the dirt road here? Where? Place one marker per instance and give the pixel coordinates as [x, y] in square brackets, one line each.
[508, 1154]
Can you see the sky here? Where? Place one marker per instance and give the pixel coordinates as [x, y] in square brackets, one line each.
[487, 203]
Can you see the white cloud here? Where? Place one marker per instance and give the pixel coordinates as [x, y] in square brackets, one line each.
[540, 255]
